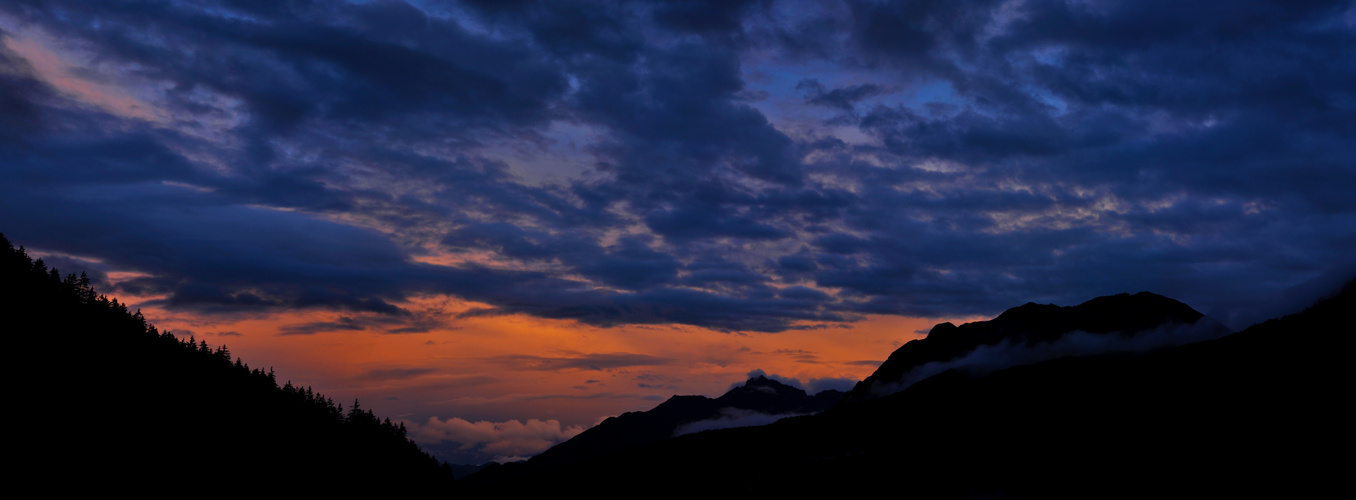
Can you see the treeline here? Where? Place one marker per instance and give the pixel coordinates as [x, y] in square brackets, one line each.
[116, 403]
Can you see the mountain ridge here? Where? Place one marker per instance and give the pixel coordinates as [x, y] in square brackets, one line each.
[1244, 413]
[758, 394]
[137, 404]
[1032, 332]
[1232, 415]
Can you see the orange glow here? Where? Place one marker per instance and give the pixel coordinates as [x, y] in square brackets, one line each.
[56, 69]
[516, 366]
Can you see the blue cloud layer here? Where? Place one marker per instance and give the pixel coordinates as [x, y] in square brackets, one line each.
[731, 165]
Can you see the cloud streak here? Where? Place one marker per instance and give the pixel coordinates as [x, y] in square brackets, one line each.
[582, 361]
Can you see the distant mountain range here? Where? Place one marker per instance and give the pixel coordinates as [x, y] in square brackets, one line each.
[1127, 395]
[1023, 335]
[1123, 396]
[759, 401]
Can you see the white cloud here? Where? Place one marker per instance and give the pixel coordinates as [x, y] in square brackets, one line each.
[730, 418]
[500, 441]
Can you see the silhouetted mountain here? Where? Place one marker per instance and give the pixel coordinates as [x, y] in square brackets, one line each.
[764, 395]
[118, 406]
[758, 401]
[1033, 333]
[1247, 414]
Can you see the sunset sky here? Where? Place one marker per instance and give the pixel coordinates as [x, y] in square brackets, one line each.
[502, 221]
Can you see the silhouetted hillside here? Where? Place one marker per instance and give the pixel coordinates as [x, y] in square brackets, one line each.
[758, 401]
[1032, 333]
[1247, 414]
[118, 406]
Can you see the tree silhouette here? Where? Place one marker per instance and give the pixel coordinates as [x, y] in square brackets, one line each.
[150, 385]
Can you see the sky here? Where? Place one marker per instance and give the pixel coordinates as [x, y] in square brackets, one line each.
[502, 221]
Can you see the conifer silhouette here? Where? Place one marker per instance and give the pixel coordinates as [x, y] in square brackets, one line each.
[148, 385]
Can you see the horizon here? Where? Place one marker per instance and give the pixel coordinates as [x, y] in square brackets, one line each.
[504, 222]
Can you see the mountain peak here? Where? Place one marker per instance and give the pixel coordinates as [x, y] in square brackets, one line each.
[1095, 419]
[942, 329]
[763, 381]
[759, 396]
[1034, 332]
[760, 379]
[765, 395]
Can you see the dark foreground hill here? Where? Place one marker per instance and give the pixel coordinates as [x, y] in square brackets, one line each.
[1259, 412]
[114, 405]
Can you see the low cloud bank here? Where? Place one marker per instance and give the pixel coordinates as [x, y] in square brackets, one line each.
[461, 441]
[730, 418]
[993, 357]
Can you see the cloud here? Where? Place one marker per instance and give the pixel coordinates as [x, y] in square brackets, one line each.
[811, 387]
[597, 395]
[397, 373]
[582, 361]
[464, 441]
[799, 355]
[844, 99]
[818, 385]
[729, 418]
[993, 357]
[344, 323]
[909, 158]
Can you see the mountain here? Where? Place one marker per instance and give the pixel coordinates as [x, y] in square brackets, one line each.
[1259, 412]
[1035, 332]
[116, 405]
[758, 401]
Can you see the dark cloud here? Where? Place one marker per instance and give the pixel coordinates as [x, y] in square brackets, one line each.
[363, 62]
[342, 324]
[918, 158]
[630, 264]
[845, 98]
[708, 16]
[583, 361]
[865, 362]
[21, 93]
[397, 373]
[597, 395]
[800, 355]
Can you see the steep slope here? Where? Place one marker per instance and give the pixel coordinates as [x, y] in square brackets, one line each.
[758, 401]
[1032, 333]
[1251, 413]
[115, 405]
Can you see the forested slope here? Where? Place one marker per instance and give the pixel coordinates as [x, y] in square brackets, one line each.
[112, 403]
